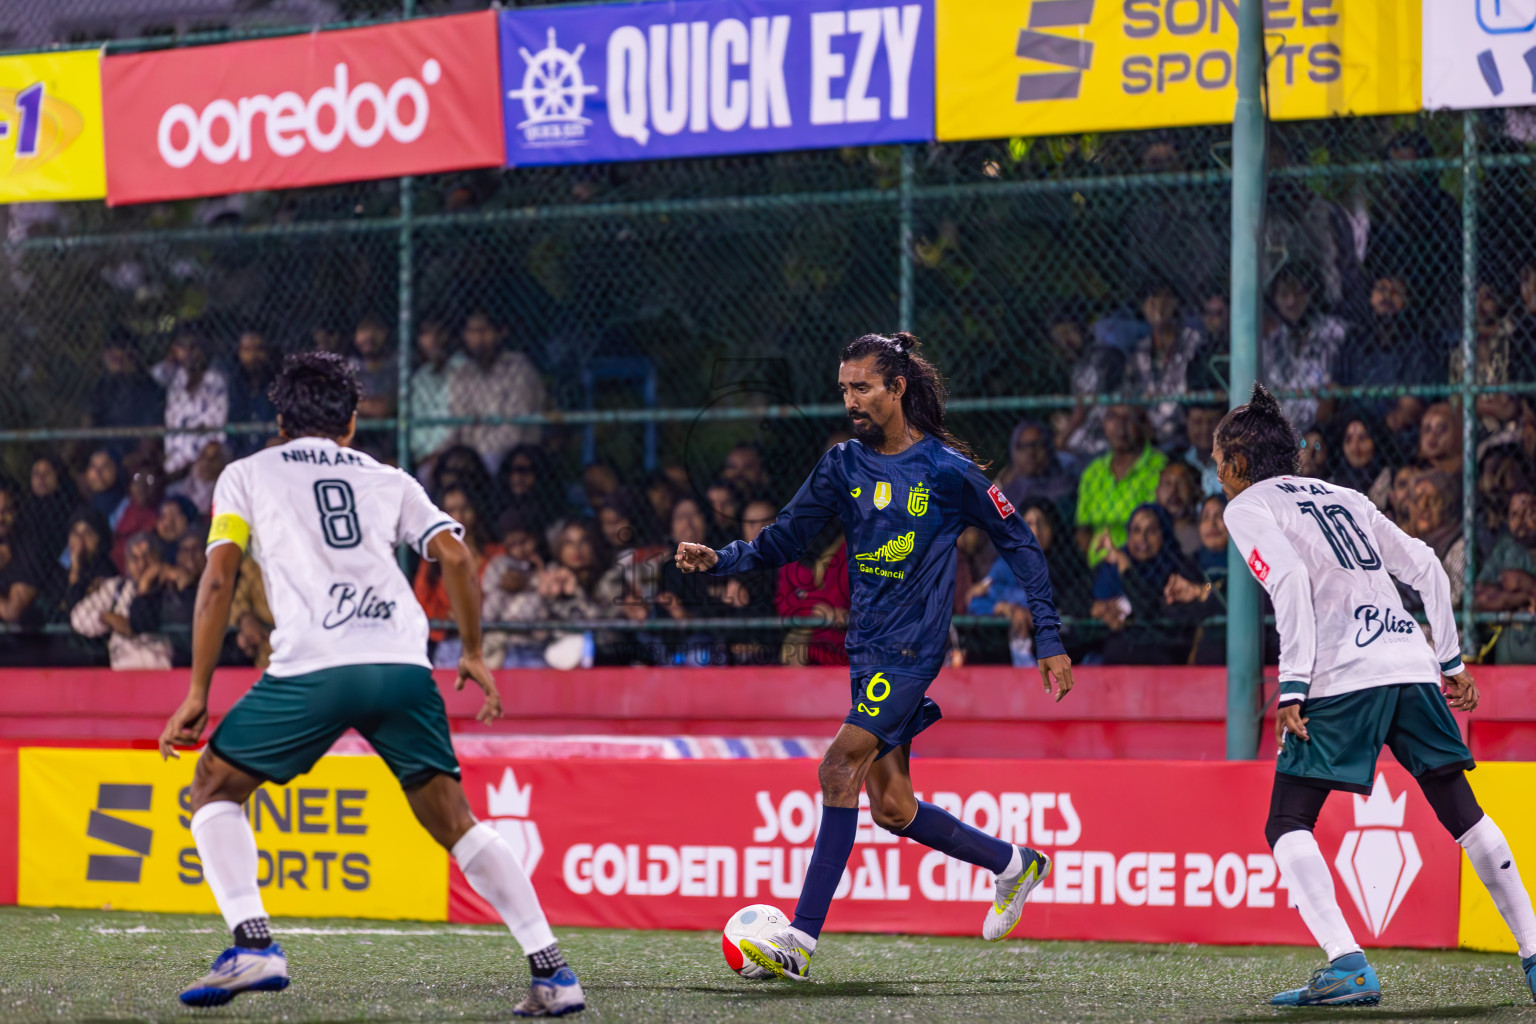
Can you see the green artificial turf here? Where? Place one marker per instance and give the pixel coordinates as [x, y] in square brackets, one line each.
[73, 965]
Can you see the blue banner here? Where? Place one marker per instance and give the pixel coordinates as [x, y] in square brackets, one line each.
[702, 77]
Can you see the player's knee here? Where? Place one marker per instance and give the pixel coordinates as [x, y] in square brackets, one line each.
[839, 778]
[893, 812]
[1279, 824]
[1451, 798]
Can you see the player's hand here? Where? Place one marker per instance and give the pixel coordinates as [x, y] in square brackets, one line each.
[472, 666]
[696, 557]
[1289, 720]
[1059, 666]
[185, 727]
[1461, 692]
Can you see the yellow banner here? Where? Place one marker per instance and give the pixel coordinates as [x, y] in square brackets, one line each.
[1045, 67]
[1504, 791]
[111, 828]
[50, 127]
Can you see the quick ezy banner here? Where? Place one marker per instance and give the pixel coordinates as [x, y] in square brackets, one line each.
[704, 77]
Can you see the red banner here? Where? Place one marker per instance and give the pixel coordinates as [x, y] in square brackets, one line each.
[1145, 852]
[414, 98]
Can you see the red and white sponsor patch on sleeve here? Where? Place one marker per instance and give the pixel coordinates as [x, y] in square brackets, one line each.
[1003, 505]
[1258, 565]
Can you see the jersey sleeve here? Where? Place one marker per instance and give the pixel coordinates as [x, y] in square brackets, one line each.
[1414, 562]
[785, 539]
[420, 519]
[983, 505]
[231, 513]
[1277, 565]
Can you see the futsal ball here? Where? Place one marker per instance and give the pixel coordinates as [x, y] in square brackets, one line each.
[758, 921]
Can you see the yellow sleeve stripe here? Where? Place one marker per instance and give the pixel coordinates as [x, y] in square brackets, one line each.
[229, 528]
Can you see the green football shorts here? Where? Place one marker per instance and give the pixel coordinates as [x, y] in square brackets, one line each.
[283, 725]
[1347, 733]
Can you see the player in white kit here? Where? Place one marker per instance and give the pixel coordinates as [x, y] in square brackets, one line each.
[349, 651]
[1355, 673]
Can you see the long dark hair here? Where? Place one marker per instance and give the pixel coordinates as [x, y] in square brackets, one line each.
[922, 403]
[1260, 433]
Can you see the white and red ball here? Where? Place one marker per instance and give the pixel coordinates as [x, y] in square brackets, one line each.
[758, 921]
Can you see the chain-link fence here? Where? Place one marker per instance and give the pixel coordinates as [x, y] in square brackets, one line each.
[605, 344]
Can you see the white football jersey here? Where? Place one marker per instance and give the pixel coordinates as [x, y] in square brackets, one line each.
[322, 521]
[1327, 557]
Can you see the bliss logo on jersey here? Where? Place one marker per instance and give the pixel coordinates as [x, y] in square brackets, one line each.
[1378, 622]
[350, 607]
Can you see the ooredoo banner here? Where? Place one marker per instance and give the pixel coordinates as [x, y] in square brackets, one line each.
[1059, 66]
[1146, 852]
[1479, 53]
[50, 127]
[700, 77]
[413, 98]
[113, 828]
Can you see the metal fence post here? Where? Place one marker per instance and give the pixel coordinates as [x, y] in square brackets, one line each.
[1469, 171]
[908, 173]
[1244, 629]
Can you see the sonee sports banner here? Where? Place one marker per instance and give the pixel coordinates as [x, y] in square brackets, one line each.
[50, 128]
[702, 77]
[414, 98]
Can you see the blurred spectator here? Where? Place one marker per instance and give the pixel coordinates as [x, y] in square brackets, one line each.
[1211, 559]
[248, 401]
[1506, 582]
[527, 486]
[691, 595]
[1520, 328]
[631, 552]
[577, 584]
[105, 611]
[430, 384]
[197, 486]
[753, 596]
[1131, 594]
[378, 374]
[1115, 483]
[1216, 321]
[1305, 228]
[508, 594]
[661, 494]
[1503, 471]
[1400, 501]
[999, 593]
[1499, 418]
[816, 586]
[1032, 470]
[1394, 347]
[1414, 222]
[250, 616]
[42, 527]
[1099, 370]
[141, 511]
[124, 395]
[90, 555]
[460, 467]
[1201, 423]
[493, 382]
[166, 595]
[1440, 440]
[744, 470]
[458, 502]
[1437, 522]
[1159, 365]
[724, 513]
[175, 519]
[1402, 420]
[196, 395]
[1178, 492]
[1300, 346]
[105, 489]
[599, 479]
[974, 557]
[1314, 460]
[1362, 466]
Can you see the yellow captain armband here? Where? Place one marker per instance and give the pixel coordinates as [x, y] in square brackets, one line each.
[230, 528]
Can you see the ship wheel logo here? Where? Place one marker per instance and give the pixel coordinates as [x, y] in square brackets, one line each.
[553, 93]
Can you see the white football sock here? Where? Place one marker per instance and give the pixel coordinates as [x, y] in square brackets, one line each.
[1311, 883]
[1015, 867]
[228, 852]
[493, 871]
[1489, 853]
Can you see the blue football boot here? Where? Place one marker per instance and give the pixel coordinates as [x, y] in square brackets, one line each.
[554, 996]
[1528, 965]
[239, 969]
[1348, 981]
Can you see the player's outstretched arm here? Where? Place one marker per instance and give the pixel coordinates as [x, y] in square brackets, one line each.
[696, 557]
[463, 590]
[210, 617]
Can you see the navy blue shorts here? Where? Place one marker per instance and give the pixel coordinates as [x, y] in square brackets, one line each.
[893, 705]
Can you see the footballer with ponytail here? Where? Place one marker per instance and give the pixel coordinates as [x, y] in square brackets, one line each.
[923, 392]
[1256, 442]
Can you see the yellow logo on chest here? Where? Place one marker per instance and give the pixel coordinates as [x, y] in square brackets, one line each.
[917, 499]
[893, 550]
[882, 494]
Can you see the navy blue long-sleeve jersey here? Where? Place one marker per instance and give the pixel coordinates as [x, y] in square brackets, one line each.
[901, 516]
